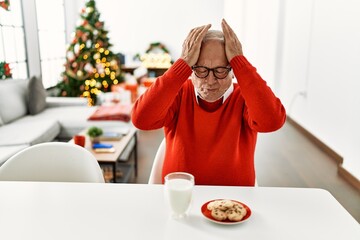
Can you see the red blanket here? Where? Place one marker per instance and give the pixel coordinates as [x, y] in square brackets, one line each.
[121, 112]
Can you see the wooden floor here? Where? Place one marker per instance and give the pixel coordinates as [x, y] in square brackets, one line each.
[283, 159]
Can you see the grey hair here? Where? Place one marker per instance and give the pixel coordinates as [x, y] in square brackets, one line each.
[214, 35]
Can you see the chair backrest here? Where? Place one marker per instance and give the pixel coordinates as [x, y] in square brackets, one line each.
[156, 170]
[52, 162]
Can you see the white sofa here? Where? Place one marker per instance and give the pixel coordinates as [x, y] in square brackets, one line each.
[28, 116]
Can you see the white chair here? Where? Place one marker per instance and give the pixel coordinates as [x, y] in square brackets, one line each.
[156, 170]
[52, 162]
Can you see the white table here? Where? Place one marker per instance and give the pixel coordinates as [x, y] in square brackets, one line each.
[43, 211]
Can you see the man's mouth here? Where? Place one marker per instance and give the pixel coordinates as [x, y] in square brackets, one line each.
[211, 89]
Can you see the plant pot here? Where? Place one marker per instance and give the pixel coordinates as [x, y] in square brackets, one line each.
[94, 140]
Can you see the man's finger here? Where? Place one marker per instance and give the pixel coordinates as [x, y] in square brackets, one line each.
[201, 34]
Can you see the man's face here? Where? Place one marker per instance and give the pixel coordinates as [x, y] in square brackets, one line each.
[212, 55]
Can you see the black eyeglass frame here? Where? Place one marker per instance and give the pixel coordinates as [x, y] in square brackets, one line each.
[227, 70]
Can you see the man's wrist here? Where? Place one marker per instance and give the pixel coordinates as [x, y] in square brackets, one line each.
[181, 68]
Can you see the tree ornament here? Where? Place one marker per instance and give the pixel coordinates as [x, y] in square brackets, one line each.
[71, 74]
[84, 37]
[88, 27]
[99, 24]
[113, 63]
[89, 10]
[79, 73]
[70, 56]
[88, 68]
[97, 55]
[76, 49]
[100, 68]
[88, 43]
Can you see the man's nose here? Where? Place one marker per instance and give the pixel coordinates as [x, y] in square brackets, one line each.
[211, 79]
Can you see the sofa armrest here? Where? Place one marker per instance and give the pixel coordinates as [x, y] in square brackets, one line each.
[65, 101]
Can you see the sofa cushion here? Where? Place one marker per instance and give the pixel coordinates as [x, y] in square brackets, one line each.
[28, 131]
[36, 96]
[13, 96]
[73, 119]
[65, 101]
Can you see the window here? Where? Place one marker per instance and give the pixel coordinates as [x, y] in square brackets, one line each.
[12, 40]
[52, 42]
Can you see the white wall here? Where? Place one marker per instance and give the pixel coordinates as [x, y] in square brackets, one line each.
[256, 25]
[308, 51]
[316, 69]
[134, 24]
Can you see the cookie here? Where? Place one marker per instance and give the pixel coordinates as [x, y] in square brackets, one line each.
[218, 214]
[240, 208]
[212, 205]
[225, 204]
[220, 204]
[234, 215]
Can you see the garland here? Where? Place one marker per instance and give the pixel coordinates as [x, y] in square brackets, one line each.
[154, 45]
[5, 71]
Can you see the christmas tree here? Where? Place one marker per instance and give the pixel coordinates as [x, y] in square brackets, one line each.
[90, 66]
[5, 4]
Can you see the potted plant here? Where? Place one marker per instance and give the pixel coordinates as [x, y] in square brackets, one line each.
[94, 133]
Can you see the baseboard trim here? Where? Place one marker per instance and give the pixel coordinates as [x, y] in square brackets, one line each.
[334, 155]
[330, 152]
[349, 177]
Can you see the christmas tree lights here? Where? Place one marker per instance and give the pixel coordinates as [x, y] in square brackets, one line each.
[90, 66]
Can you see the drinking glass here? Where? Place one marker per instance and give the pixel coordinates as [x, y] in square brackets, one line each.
[178, 192]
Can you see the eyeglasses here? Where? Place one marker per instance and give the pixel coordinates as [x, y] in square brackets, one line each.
[219, 72]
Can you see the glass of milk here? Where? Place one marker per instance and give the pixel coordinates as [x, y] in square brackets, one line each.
[178, 192]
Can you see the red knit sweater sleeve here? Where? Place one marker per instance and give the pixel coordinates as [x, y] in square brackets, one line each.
[152, 109]
[264, 111]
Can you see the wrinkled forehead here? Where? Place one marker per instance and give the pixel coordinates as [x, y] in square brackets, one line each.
[212, 54]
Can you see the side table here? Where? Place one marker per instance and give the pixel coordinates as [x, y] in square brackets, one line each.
[124, 148]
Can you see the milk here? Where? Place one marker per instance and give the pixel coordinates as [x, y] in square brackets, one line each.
[179, 193]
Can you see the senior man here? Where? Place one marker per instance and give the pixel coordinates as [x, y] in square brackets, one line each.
[210, 121]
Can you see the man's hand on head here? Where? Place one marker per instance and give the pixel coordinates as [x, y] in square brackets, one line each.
[191, 46]
[232, 44]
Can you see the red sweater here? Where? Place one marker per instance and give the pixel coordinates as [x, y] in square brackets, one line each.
[216, 147]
